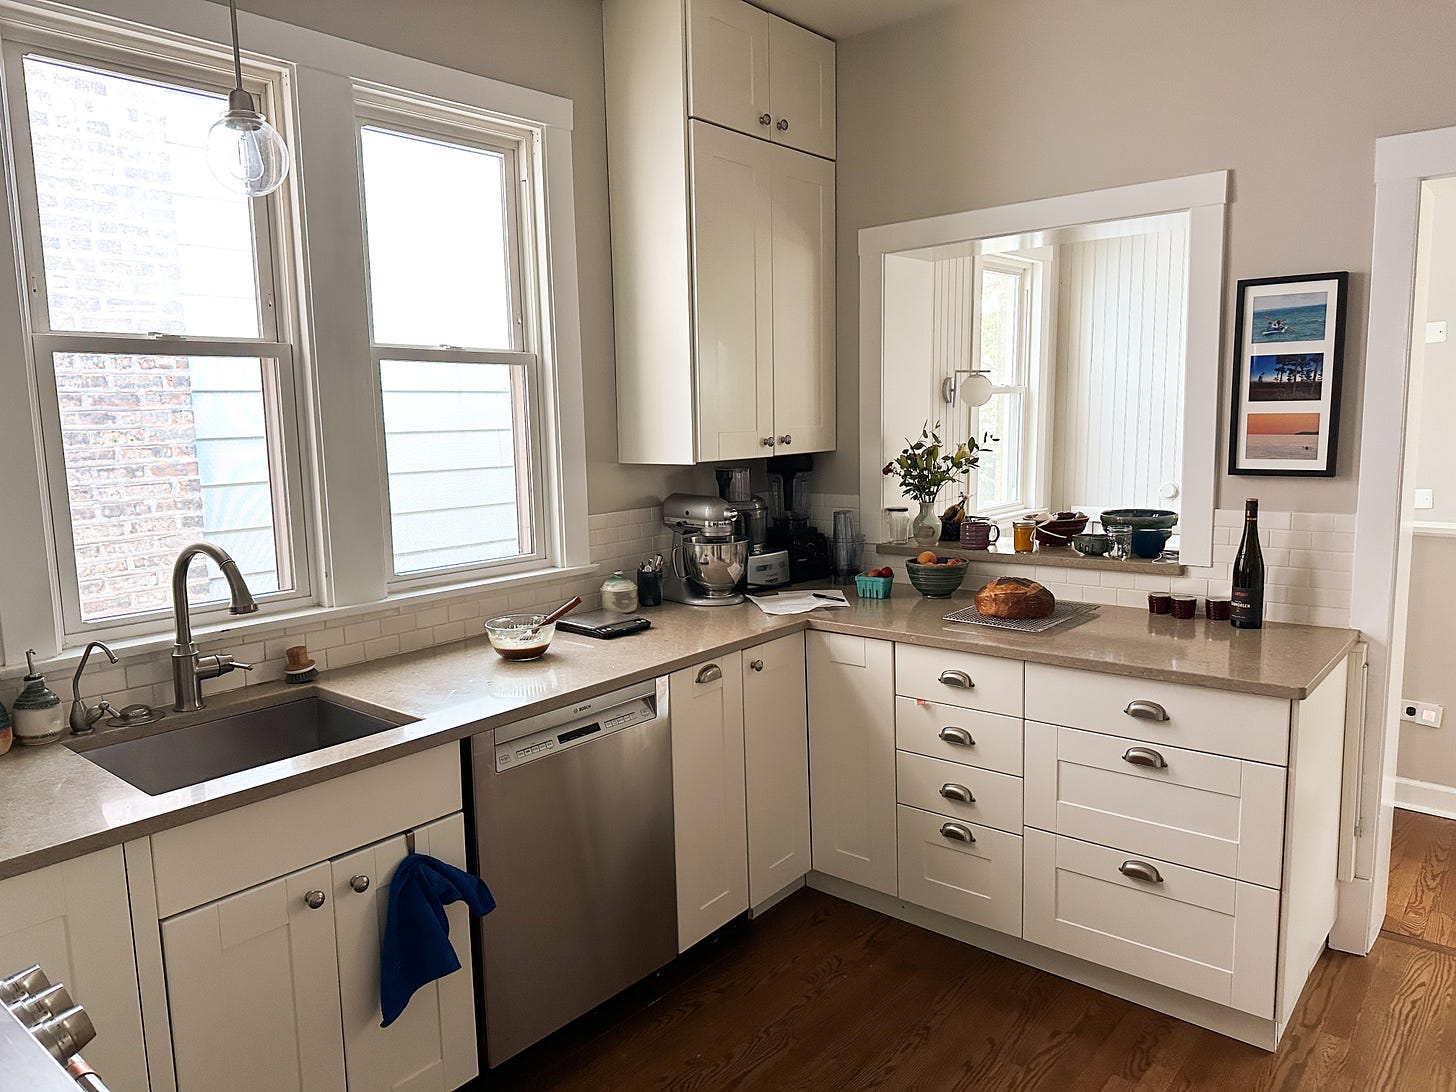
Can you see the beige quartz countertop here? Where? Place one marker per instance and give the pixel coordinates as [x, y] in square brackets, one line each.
[58, 805]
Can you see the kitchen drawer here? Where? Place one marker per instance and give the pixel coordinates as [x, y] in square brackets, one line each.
[1204, 935]
[1221, 722]
[1221, 815]
[995, 797]
[977, 880]
[959, 678]
[987, 740]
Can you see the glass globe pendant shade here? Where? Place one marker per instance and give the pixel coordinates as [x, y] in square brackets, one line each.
[245, 153]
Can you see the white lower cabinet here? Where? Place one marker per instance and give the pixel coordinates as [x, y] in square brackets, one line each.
[74, 920]
[1208, 936]
[709, 803]
[294, 964]
[776, 763]
[852, 758]
[968, 871]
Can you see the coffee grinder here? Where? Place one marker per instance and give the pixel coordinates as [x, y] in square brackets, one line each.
[788, 518]
[767, 568]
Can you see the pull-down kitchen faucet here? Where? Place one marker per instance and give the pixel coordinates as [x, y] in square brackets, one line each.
[189, 667]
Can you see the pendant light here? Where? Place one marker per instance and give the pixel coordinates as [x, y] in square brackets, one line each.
[246, 154]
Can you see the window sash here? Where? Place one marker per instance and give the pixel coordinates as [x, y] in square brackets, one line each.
[1027, 444]
[270, 231]
[410, 116]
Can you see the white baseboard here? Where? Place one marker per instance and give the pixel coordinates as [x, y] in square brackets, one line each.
[1264, 1034]
[1426, 797]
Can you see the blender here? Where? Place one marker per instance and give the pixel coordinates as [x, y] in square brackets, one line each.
[788, 518]
[766, 568]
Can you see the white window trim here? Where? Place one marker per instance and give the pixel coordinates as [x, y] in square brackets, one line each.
[321, 73]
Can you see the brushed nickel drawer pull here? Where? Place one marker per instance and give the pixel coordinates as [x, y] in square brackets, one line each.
[755, 665]
[957, 736]
[951, 791]
[957, 832]
[959, 679]
[1140, 870]
[765, 119]
[1146, 710]
[1145, 756]
[711, 673]
[314, 899]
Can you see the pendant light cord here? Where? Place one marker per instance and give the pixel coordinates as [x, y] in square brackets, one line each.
[237, 53]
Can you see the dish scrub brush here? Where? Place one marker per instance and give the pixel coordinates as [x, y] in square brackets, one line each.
[300, 667]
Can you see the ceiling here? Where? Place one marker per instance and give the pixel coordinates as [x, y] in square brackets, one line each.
[843, 18]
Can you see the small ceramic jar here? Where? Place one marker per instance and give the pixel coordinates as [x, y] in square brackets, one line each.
[37, 713]
[7, 733]
[619, 594]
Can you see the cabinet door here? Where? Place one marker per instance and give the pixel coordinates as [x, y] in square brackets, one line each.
[776, 761]
[728, 65]
[253, 990]
[801, 88]
[852, 758]
[803, 302]
[431, 1047]
[732, 293]
[74, 920]
[708, 802]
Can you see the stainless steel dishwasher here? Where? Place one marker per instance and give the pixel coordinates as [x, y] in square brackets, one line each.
[573, 826]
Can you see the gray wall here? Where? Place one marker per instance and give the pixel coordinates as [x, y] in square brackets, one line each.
[549, 45]
[995, 102]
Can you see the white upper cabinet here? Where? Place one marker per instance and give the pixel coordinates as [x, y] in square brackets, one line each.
[762, 75]
[722, 231]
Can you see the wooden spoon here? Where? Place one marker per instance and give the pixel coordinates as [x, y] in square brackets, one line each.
[556, 615]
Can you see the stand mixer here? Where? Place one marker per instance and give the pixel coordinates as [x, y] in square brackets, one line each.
[709, 561]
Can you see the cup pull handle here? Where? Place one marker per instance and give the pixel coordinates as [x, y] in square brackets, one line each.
[952, 791]
[957, 832]
[711, 673]
[1140, 870]
[958, 679]
[1146, 710]
[957, 736]
[1145, 756]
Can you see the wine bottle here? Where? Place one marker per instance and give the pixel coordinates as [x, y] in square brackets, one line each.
[1246, 611]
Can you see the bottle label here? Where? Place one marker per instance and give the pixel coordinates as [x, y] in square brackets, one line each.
[1246, 605]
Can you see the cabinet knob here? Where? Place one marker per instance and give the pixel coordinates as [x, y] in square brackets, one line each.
[359, 883]
[1146, 710]
[1145, 756]
[314, 899]
[767, 441]
[755, 665]
[1140, 870]
[956, 832]
[765, 119]
[711, 673]
[951, 791]
[783, 125]
[959, 736]
[786, 439]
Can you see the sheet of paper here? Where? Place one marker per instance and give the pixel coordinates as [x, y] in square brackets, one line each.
[799, 602]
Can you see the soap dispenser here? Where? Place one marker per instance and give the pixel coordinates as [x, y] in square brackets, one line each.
[37, 711]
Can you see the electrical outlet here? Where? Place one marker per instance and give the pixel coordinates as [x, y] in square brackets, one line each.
[1425, 499]
[1423, 713]
[1435, 333]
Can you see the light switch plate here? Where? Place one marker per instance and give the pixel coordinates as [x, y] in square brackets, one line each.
[1423, 713]
[1435, 333]
[1425, 498]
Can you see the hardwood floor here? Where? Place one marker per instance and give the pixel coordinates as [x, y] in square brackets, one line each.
[821, 994]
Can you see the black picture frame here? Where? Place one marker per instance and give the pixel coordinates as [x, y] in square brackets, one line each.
[1284, 413]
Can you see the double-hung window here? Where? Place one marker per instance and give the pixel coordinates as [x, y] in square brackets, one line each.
[162, 351]
[448, 208]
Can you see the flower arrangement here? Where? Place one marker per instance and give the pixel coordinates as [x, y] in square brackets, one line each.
[924, 468]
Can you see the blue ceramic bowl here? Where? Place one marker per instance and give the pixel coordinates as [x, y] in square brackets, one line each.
[1148, 543]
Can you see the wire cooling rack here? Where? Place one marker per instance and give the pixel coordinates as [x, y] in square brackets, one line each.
[1064, 611]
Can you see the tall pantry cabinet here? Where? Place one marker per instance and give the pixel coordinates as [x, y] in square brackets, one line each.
[720, 133]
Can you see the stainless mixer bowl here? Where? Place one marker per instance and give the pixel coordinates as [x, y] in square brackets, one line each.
[717, 565]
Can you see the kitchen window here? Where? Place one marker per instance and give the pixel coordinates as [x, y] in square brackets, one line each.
[452, 337]
[161, 353]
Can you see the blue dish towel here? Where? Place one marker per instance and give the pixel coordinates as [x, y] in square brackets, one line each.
[416, 948]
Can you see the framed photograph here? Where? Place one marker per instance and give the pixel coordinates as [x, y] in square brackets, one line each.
[1285, 415]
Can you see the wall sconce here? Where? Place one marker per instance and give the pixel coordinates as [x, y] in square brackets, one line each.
[974, 390]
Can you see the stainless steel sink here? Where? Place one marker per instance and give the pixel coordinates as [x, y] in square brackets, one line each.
[214, 748]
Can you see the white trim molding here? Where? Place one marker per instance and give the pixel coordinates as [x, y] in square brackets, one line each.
[1202, 197]
[1426, 797]
[1432, 527]
[1383, 525]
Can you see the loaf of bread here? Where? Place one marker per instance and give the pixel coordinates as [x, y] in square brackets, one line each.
[1013, 597]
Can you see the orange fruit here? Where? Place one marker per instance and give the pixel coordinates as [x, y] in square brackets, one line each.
[927, 557]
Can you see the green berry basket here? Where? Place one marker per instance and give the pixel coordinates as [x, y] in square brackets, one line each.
[873, 587]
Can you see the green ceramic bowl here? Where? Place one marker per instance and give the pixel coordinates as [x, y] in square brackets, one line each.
[1139, 519]
[936, 581]
[1092, 545]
